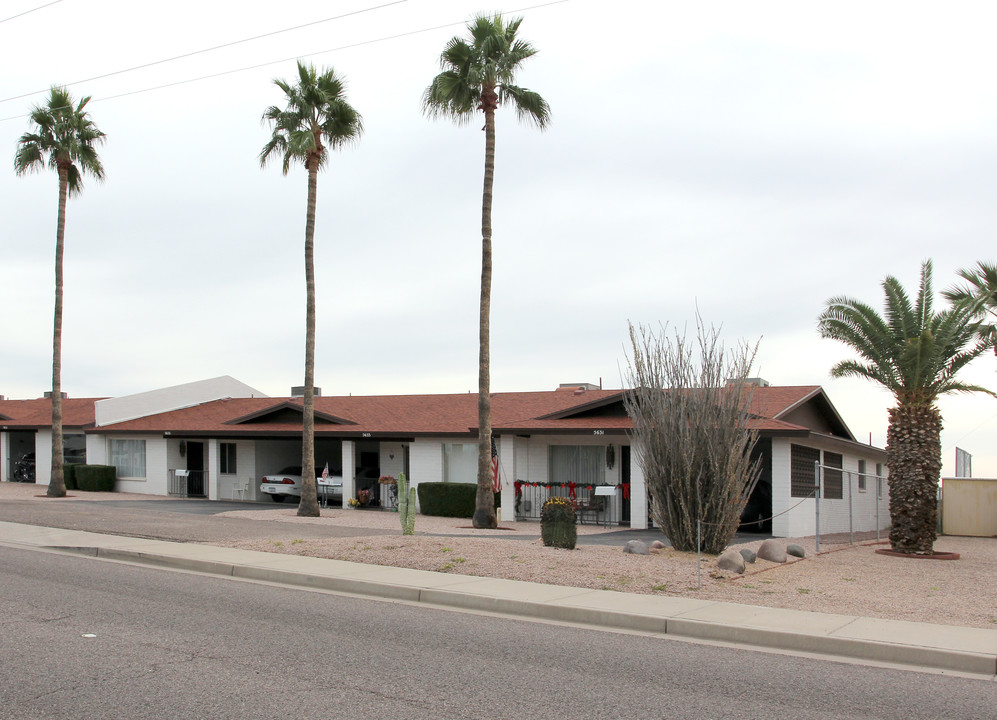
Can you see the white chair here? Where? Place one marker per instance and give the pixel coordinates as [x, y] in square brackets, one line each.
[241, 487]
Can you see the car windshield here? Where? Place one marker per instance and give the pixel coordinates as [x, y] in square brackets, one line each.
[291, 470]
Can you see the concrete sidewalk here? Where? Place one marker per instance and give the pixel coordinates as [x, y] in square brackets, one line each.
[939, 647]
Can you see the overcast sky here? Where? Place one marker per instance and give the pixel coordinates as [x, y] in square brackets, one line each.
[748, 159]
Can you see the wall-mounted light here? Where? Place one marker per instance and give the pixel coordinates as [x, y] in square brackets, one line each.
[183, 448]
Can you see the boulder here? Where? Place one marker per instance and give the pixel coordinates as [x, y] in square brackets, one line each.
[731, 560]
[748, 555]
[636, 547]
[772, 551]
[658, 545]
[795, 550]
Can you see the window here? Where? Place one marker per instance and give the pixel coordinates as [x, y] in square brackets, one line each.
[879, 479]
[832, 477]
[128, 456]
[460, 462]
[74, 448]
[226, 452]
[862, 486]
[582, 464]
[801, 470]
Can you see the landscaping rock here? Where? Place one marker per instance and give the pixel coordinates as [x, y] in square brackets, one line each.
[636, 547]
[731, 560]
[795, 550]
[748, 555]
[658, 545]
[772, 551]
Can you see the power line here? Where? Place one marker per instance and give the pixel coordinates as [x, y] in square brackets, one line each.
[282, 60]
[206, 50]
[30, 11]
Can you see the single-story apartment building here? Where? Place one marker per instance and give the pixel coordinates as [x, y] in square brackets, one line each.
[224, 436]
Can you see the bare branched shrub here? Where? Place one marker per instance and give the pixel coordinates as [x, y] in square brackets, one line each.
[690, 421]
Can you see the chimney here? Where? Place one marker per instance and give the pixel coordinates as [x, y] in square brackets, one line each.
[756, 381]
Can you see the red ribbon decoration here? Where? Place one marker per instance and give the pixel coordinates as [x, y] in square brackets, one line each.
[519, 488]
[626, 491]
[571, 490]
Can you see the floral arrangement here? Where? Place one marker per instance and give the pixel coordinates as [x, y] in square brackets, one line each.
[387, 480]
[364, 497]
[354, 503]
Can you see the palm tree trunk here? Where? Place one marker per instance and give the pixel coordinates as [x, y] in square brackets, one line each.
[308, 507]
[914, 459]
[57, 483]
[484, 509]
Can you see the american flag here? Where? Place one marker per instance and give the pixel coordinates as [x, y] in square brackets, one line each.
[496, 482]
[325, 471]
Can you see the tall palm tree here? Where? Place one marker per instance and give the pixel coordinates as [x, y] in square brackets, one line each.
[980, 294]
[64, 138]
[479, 73]
[915, 353]
[317, 115]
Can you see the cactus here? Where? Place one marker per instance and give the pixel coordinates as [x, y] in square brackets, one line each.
[406, 505]
[557, 523]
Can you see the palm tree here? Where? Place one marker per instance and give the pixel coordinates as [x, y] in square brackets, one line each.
[479, 73]
[915, 353]
[66, 139]
[980, 294]
[317, 114]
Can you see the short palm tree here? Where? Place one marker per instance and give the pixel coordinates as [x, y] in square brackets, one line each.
[916, 354]
[65, 139]
[479, 73]
[980, 294]
[317, 115]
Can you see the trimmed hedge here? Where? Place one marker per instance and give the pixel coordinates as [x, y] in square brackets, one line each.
[449, 499]
[95, 478]
[69, 475]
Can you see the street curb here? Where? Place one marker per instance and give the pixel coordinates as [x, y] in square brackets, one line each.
[677, 627]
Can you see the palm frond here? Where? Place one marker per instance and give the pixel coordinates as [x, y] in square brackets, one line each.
[914, 352]
[488, 59]
[316, 110]
[64, 136]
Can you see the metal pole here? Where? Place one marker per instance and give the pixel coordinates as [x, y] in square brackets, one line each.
[879, 484]
[851, 530]
[699, 555]
[817, 474]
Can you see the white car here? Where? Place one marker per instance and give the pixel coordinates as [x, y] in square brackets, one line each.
[287, 483]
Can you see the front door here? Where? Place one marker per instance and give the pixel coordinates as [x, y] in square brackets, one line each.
[195, 464]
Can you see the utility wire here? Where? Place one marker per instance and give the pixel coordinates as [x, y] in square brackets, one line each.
[210, 49]
[277, 62]
[30, 11]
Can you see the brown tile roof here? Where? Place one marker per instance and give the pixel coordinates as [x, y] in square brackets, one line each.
[36, 414]
[412, 415]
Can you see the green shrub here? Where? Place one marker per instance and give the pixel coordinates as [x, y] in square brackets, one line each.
[95, 478]
[557, 523]
[69, 475]
[449, 499]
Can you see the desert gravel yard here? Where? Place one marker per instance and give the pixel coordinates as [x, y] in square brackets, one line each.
[843, 579]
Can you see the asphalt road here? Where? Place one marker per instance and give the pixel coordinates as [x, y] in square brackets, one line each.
[176, 645]
[194, 520]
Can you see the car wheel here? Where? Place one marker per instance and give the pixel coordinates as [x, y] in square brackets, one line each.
[278, 498]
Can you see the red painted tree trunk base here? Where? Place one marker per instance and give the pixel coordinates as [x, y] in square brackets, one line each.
[933, 556]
